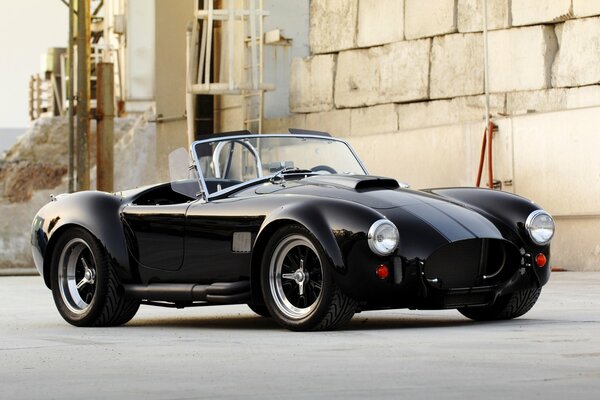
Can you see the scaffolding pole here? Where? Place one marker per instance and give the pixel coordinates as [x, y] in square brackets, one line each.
[105, 114]
[83, 94]
[71, 165]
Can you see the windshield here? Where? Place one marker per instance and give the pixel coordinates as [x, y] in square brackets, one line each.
[228, 162]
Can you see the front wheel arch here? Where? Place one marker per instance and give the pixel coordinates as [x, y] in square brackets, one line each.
[329, 307]
[258, 253]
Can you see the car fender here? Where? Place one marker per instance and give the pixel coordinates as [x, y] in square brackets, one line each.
[508, 211]
[508, 208]
[333, 222]
[97, 212]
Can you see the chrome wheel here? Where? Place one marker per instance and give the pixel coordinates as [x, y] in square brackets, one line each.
[77, 275]
[296, 276]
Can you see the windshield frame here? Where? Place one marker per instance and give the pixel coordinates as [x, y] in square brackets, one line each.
[225, 191]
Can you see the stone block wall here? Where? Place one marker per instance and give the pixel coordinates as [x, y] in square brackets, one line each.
[427, 57]
[403, 82]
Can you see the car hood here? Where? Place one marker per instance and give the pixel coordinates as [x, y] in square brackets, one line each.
[407, 208]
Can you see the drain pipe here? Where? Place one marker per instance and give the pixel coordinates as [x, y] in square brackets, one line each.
[488, 123]
[71, 168]
[486, 82]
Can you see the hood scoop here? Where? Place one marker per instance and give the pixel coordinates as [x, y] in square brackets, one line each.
[355, 182]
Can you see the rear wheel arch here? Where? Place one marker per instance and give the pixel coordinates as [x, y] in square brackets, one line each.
[106, 304]
[51, 248]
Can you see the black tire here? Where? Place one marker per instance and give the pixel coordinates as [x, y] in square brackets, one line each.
[506, 307]
[99, 301]
[261, 310]
[307, 298]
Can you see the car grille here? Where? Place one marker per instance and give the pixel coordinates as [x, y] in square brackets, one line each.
[471, 263]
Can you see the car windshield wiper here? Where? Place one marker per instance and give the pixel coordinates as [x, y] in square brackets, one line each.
[279, 176]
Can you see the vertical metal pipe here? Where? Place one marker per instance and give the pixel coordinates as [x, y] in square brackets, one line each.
[105, 113]
[486, 82]
[189, 96]
[71, 165]
[83, 94]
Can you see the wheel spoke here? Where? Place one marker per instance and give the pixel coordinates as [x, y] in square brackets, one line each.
[288, 276]
[82, 282]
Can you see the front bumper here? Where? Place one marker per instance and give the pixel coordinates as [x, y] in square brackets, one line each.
[464, 273]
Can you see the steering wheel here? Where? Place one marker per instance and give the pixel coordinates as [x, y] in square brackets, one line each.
[324, 168]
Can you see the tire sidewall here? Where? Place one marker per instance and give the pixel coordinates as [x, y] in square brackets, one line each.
[91, 314]
[311, 320]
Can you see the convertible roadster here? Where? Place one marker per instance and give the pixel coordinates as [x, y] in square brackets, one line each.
[295, 227]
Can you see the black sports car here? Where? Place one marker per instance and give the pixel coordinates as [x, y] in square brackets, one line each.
[293, 226]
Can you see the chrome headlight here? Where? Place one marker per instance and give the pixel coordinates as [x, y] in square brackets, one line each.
[540, 226]
[383, 237]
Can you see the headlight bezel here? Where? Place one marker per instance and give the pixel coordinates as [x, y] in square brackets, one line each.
[530, 228]
[374, 245]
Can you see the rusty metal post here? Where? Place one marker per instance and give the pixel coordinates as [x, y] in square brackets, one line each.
[71, 82]
[105, 113]
[83, 94]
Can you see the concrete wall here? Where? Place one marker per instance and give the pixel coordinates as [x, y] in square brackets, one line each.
[172, 19]
[140, 55]
[403, 81]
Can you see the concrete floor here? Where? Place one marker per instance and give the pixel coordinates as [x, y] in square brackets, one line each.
[553, 352]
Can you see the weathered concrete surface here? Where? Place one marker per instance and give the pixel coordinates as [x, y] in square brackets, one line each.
[380, 22]
[561, 173]
[529, 12]
[335, 122]
[281, 125]
[397, 72]
[332, 25]
[470, 15]
[311, 83]
[578, 60]
[444, 112]
[536, 101]
[228, 352]
[552, 99]
[521, 58]
[373, 120]
[401, 155]
[456, 66]
[586, 8]
[586, 96]
[429, 18]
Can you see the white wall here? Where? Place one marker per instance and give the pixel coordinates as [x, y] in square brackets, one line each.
[140, 64]
[27, 29]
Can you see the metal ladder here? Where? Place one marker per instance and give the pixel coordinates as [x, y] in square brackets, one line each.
[199, 59]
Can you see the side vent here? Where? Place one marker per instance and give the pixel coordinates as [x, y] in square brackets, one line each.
[241, 242]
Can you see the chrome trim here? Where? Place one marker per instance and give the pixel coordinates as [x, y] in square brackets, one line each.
[371, 236]
[529, 221]
[239, 137]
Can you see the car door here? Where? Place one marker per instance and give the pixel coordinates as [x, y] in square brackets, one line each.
[219, 238]
[156, 234]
